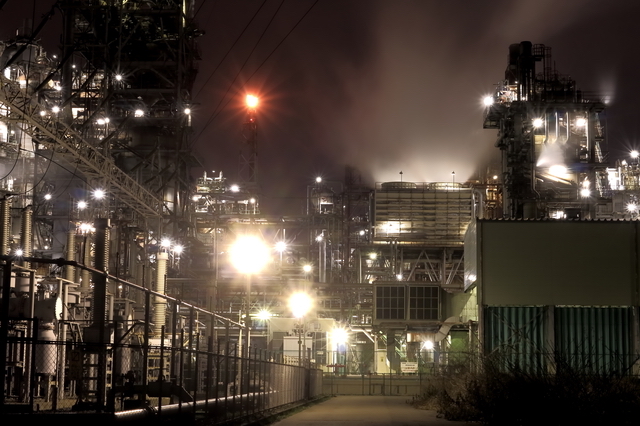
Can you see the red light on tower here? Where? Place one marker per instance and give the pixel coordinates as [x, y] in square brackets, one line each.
[252, 101]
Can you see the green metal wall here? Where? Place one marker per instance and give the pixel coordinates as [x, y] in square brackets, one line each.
[540, 339]
[594, 340]
[514, 337]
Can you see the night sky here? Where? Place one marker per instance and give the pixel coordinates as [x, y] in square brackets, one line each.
[385, 86]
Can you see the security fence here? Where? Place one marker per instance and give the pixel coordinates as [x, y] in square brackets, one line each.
[147, 354]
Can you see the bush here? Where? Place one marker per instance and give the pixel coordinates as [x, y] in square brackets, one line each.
[496, 393]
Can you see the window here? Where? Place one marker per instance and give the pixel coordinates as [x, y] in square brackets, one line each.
[390, 303]
[423, 303]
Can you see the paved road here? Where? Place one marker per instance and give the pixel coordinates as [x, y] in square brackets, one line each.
[365, 410]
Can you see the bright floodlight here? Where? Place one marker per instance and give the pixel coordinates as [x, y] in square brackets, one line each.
[300, 304]
[43, 113]
[55, 109]
[399, 277]
[138, 113]
[558, 170]
[82, 205]
[178, 249]
[307, 268]
[249, 254]
[187, 111]
[19, 252]
[339, 336]
[98, 194]
[281, 246]
[373, 256]
[318, 179]
[47, 196]
[634, 154]
[428, 345]
[119, 77]
[488, 101]
[537, 122]
[165, 243]
[632, 207]
[252, 101]
[263, 315]
[581, 122]
[234, 188]
[585, 192]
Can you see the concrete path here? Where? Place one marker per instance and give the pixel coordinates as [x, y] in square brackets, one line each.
[365, 411]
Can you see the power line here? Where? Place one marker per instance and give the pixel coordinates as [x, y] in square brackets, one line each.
[216, 112]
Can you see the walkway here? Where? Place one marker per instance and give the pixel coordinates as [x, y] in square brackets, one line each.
[365, 411]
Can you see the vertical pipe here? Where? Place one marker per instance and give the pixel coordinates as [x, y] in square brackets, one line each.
[85, 275]
[5, 229]
[26, 234]
[69, 272]
[99, 304]
[160, 304]
[4, 322]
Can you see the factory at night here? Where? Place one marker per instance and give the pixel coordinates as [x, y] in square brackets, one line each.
[132, 278]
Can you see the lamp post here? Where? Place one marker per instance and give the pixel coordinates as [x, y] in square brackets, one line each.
[249, 255]
[300, 304]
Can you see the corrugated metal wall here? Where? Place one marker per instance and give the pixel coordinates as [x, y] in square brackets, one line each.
[589, 339]
[593, 339]
[515, 337]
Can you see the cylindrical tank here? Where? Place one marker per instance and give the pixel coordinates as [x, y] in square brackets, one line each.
[46, 354]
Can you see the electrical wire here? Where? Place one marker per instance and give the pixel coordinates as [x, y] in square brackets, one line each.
[244, 30]
[216, 112]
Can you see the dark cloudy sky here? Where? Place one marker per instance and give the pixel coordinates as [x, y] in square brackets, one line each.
[389, 86]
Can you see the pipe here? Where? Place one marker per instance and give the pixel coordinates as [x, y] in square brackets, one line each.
[160, 304]
[69, 271]
[26, 234]
[5, 221]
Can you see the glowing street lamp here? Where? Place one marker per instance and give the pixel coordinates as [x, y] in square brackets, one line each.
[300, 304]
[249, 255]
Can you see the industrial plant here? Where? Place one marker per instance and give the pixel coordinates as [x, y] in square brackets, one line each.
[127, 281]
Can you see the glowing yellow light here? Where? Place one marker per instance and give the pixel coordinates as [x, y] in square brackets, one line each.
[249, 254]
[264, 315]
[252, 101]
[300, 304]
[558, 170]
[339, 335]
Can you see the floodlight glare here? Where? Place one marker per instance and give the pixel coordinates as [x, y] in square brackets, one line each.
[537, 122]
[585, 192]
[99, 194]
[488, 101]
[252, 101]
[634, 154]
[281, 246]
[249, 254]
[300, 304]
[264, 315]
[581, 122]
[339, 336]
